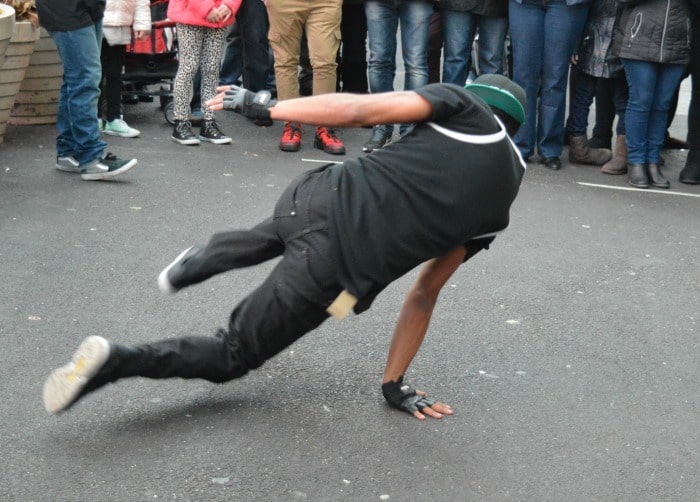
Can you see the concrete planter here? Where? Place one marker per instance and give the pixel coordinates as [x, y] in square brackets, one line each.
[37, 101]
[17, 56]
[7, 24]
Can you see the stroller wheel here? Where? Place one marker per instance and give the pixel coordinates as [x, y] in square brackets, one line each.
[169, 112]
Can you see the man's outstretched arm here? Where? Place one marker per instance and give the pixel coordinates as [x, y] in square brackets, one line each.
[413, 322]
[334, 110]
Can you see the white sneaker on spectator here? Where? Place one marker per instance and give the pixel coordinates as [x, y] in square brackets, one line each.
[118, 127]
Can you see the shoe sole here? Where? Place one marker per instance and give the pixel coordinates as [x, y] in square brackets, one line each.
[221, 141]
[122, 134]
[193, 141]
[68, 169]
[164, 283]
[110, 174]
[290, 148]
[64, 384]
[338, 151]
[367, 149]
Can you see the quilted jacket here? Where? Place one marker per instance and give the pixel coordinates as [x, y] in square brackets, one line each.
[135, 13]
[654, 30]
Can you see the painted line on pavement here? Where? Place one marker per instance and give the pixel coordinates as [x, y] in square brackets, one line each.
[644, 190]
[322, 161]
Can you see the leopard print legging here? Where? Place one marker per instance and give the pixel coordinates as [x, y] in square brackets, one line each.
[197, 46]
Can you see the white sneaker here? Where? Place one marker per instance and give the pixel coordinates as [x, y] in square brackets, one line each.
[118, 127]
[63, 386]
[68, 164]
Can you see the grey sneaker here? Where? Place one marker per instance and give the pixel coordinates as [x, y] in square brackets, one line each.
[381, 136]
[107, 167]
[64, 385]
[118, 127]
[68, 164]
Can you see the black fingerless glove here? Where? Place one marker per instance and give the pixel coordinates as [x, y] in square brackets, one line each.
[402, 397]
[252, 105]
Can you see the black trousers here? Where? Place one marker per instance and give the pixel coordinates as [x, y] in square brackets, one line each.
[112, 59]
[290, 302]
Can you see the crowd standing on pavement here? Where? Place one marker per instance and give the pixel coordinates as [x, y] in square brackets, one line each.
[628, 56]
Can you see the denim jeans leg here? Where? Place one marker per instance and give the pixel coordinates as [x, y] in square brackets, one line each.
[492, 39]
[382, 23]
[78, 130]
[458, 34]
[414, 17]
[526, 25]
[641, 79]
[668, 78]
[563, 25]
[232, 61]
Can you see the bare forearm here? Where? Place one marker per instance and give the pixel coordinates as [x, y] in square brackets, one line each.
[354, 110]
[409, 333]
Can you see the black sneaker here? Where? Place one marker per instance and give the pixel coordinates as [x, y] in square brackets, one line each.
[210, 132]
[182, 133]
[172, 278]
[380, 137]
[107, 167]
[65, 385]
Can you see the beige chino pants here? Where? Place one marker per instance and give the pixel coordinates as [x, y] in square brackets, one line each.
[289, 19]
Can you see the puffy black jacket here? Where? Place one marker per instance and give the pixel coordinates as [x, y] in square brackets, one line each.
[654, 30]
[69, 15]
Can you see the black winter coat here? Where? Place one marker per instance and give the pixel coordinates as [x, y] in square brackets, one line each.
[69, 15]
[595, 55]
[654, 30]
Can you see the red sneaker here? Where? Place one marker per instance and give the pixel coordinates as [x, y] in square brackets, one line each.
[291, 137]
[327, 140]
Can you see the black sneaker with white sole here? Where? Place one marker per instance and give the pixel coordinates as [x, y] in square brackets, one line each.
[107, 167]
[210, 132]
[182, 133]
[66, 385]
[176, 276]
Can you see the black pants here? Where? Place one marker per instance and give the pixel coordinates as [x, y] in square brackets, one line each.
[288, 304]
[112, 59]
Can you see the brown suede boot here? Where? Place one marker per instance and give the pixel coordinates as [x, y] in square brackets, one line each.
[618, 164]
[581, 153]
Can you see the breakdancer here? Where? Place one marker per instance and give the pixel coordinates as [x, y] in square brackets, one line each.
[345, 231]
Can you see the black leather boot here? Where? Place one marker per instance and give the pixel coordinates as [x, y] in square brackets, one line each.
[656, 177]
[637, 175]
[690, 174]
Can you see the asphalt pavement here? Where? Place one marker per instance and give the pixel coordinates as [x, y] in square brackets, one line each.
[569, 350]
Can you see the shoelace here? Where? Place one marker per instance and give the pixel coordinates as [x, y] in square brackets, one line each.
[290, 131]
[328, 135]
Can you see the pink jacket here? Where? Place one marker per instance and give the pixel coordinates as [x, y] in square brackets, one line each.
[194, 12]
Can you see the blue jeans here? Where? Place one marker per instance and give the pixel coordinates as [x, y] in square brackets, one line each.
[544, 35]
[459, 29]
[651, 89]
[383, 19]
[78, 130]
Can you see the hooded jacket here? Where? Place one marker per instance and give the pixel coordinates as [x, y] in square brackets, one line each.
[69, 15]
[654, 30]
